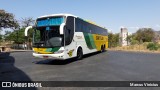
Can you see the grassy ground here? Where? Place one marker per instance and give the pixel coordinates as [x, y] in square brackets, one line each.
[136, 48]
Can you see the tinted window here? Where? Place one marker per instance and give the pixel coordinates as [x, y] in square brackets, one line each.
[78, 25]
[50, 21]
[69, 30]
[82, 26]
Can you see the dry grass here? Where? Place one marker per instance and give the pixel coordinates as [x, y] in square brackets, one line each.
[136, 48]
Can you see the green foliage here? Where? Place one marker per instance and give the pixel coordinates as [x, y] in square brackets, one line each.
[1, 37]
[30, 34]
[133, 42]
[141, 36]
[144, 35]
[17, 36]
[153, 46]
[7, 20]
[129, 38]
[113, 39]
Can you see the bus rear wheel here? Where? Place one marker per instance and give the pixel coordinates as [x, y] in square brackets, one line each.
[79, 54]
[103, 48]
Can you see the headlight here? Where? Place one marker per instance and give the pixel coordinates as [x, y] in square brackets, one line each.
[60, 51]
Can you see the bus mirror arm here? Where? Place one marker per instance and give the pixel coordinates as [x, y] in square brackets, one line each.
[26, 30]
[61, 29]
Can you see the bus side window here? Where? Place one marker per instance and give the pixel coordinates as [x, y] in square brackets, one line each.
[78, 25]
[92, 29]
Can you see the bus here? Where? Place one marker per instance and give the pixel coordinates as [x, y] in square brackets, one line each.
[64, 36]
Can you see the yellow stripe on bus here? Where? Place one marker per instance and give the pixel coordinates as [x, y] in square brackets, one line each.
[41, 50]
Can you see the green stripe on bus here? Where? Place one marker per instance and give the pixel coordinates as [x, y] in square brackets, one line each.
[92, 41]
[52, 49]
[89, 40]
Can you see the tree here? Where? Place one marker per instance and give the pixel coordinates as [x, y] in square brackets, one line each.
[25, 23]
[6, 36]
[1, 38]
[113, 39]
[7, 20]
[131, 39]
[145, 35]
[16, 36]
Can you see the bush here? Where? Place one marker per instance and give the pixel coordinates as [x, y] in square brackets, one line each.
[133, 42]
[153, 46]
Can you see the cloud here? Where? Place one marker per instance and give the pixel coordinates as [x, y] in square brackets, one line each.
[130, 27]
[122, 27]
[109, 30]
[146, 27]
[133, 27]
[157, 25]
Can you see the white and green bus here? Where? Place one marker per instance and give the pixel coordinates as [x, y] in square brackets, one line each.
[63, 36]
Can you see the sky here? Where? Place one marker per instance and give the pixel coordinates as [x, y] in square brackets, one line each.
[112, 14]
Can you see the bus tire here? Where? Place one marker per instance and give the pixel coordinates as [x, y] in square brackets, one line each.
[101, 48]
[104, 48]
[79, 53]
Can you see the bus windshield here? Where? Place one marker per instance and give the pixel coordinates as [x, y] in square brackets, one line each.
[47, 37]
[47, 32]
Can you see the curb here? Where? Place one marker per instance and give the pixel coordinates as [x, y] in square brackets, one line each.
[137, 51]
[18, 51]
[21, 51]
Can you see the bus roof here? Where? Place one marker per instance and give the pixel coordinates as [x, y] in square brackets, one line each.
[66, 14]
[61, 14]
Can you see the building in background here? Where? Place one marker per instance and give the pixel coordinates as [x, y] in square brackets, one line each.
[123, 37]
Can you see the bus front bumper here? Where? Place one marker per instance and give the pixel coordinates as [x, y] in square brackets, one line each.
[50, 56]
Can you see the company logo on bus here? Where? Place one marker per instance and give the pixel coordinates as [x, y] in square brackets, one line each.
[70, 52]
[99, 38]
[79, 37]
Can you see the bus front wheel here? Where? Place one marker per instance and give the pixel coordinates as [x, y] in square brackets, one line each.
[79, 54]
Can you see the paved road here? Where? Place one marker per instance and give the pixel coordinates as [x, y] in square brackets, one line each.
[107, 66]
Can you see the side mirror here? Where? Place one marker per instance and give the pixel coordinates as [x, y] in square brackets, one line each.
[26, 30]
[62, 27]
